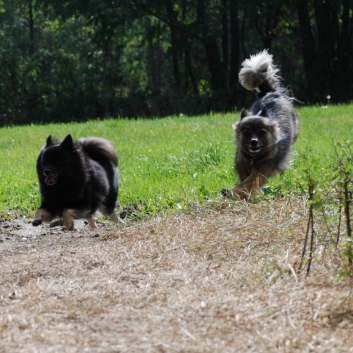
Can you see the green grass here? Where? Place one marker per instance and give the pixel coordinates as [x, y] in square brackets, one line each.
[169, 163]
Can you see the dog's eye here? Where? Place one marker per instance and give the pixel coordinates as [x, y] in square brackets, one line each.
[246, 133]
[263, 132]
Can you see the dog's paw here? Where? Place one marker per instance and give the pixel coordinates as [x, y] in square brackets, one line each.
[227, 192]
[236, 193]
[36, 222]
[57, 223]
[69, 226]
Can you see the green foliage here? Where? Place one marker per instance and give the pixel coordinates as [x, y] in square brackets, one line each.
[75, 60]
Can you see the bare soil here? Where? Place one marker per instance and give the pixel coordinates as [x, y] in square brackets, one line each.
[219, 278]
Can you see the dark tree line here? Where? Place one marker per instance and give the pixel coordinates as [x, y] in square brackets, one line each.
[77, 60]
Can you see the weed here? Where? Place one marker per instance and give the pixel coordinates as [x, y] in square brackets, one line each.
[334, 199]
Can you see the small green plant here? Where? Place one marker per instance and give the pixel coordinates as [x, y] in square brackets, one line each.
[314, 202]
[332, 196]
[344, 186]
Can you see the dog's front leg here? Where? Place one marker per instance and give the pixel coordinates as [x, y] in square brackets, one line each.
[255, 181]
[91, 222]
[68, 218]
[42, 215]
[113, 217]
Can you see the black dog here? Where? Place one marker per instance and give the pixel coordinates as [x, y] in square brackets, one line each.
[76, 179]
[265, 135]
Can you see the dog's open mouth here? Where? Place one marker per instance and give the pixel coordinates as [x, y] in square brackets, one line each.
[51, 179]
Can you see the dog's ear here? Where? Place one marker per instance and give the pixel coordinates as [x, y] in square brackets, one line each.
[49, 140]
[243, 113]
[235, 127]
[67, 143]
[262, 112]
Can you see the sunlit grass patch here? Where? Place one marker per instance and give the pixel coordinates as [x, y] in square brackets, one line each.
[170, 163]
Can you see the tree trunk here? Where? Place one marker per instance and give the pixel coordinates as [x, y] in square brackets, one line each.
[174, 43]
[211, 49]
[235, 43]
[312, 64]
[188, 66]
[215, 65]
[31, 28]
[344, 71]
[327, 30]
[224, 22]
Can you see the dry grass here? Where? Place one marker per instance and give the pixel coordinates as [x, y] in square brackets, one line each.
[218, 279]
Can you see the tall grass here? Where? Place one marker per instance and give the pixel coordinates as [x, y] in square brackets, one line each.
[168, 163]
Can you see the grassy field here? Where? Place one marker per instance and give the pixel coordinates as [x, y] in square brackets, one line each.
[168, 164]
[198, 277]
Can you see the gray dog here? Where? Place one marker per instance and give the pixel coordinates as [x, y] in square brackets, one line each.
[265, 134]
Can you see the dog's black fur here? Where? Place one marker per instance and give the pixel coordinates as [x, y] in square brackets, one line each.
[76, 179]
[264, 135]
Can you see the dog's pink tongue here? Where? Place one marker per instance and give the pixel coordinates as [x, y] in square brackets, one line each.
[49, 178]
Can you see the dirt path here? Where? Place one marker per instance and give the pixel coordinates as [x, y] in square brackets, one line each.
[218, 279]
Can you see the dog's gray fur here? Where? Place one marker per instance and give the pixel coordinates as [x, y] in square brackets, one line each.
[265, 134]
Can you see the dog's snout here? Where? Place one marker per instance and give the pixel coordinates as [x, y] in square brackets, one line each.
[47, 172]
[254, 142]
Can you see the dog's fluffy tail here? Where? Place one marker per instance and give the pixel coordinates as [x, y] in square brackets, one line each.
[259, 73]
[99, 149]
